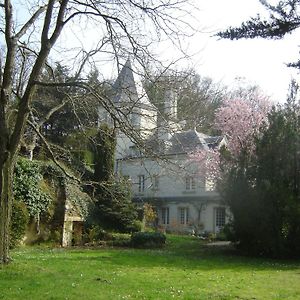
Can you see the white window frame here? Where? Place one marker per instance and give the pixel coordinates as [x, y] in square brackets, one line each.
[141, 183]
[220, 217]
[190, 183]
[165, 215]
[183, 215]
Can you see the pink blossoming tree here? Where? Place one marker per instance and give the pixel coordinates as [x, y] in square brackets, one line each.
[208, 161]
[240, 120]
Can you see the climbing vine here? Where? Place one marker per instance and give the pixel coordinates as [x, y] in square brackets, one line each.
[29, 187]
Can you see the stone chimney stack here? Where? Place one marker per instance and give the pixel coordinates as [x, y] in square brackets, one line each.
[170, 105]
[168, 125]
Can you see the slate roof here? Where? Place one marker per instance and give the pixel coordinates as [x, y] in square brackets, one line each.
[128, 88]
[187, 141]
[213, 141]
[184, 142]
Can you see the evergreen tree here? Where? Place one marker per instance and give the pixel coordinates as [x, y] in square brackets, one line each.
[283, 19]
[263, 189]
[113, 208]
[104, 149]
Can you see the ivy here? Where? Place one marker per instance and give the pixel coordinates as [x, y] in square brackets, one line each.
[80, 199]
[28, 187]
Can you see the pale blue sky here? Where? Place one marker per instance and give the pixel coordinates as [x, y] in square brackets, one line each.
[258, 61]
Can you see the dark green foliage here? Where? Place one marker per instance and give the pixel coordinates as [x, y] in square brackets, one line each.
[263, 191]
[104, 149]
[28, 187]
[274, 29]
[95, 234]
[113, 208]
[120, 240]
[43, 188]
[19, 221]
[79, 111]
[148, 239]
[79, 145]
[283, 19]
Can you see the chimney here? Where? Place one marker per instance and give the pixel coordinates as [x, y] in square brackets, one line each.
[170, 105]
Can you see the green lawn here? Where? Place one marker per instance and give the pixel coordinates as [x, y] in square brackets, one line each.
[184, 269]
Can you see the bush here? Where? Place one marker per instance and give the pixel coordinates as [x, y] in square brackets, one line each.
[148, 239]
[19, 222]
[113, 209]
[95, 234]
[120, 240]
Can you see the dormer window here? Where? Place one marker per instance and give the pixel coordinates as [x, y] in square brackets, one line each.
[190, 183]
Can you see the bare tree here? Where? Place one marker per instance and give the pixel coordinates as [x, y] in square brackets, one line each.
[120, 22]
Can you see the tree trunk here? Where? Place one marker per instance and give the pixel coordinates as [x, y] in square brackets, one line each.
[6, 182]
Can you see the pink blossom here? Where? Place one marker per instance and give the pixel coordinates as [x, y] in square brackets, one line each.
[207, 162]
[240, 120]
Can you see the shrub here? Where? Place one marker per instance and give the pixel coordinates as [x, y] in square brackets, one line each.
[95, 234]
[148, 239]
[120, 240]
[113, 209]
[19, 222]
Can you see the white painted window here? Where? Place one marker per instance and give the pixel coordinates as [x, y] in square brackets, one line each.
[190, 183]
[220, 217]
[165, 215]
[184, 215]
[141, 183]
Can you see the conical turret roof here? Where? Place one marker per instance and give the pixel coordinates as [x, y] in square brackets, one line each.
[128, 88]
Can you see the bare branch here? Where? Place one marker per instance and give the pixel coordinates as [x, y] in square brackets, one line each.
[31, 21]
[51, 153]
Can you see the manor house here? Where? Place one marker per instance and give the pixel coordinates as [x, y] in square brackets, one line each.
[153, 152]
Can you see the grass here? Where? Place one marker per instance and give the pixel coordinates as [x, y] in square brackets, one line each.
[184, 269]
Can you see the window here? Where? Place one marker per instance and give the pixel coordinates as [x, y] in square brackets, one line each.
[141, 183]
[220, 217]
[190, 183]
[155, 182]
[183, 215]
[165, 215]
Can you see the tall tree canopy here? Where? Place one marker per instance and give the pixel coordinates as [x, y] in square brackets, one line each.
[198, 97]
